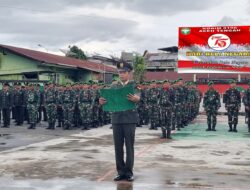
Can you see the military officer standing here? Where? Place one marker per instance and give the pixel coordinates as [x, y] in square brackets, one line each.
[211, 104]
[68, 105]
[124, 124]
[166, 99]
[33, 100]
[232, 102]
[6, 105]
[246, 101]
[50, 99]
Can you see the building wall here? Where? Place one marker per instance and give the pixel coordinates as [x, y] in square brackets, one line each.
[14, 64]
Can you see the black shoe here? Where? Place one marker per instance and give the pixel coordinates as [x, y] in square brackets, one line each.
[235, 130]
[119, 177]
[130, 178]
[213, 129]
[163, 137]
[208, 129]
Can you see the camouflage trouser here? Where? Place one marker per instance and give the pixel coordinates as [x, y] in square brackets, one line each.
[211, 117]
[95, 114]
[177, 116]
[233, 112]
[85, 113]
[68, 113]
[51, 113]
[166, 118]
[106, 117]
[154, 116]
[140, 113]
[32, 112]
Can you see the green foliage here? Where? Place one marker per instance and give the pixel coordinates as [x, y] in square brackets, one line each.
[76, 52]
[139, 69]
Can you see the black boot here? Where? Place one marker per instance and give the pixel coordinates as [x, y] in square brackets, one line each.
[235, 130]
[213, 128]
[173, 127]
[34, 126]
[169, 134]
[49, 127]
[30, 127]
[59, 124]
[164, 134]
[230, 128]
[208, 127]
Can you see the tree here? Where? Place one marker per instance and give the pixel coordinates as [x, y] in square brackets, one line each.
[139, 69]
[76, 52]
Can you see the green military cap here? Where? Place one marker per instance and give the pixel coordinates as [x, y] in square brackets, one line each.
[166, 81]
[158, 82]
[210, 83]
[179, 79]
[153, 81]
[231, 81]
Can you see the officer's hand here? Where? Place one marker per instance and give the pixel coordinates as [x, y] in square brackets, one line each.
[133, 98]
[102, 101]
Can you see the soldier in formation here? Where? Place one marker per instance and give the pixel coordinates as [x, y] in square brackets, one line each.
[211, 104]
[232, 100]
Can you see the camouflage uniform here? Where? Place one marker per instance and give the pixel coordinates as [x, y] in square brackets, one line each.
[33, 100]
[177, 113]
[85, 107]
[232, 102]
[166, 109]
[95, 107]
[211, 104]
[68, 106]
[246, 101]
[154, 111]
[51, 98]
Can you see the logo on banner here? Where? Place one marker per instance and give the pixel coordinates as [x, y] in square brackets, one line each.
[219, 42]
[185, 31]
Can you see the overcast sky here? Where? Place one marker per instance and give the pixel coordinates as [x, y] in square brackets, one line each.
[111, 26]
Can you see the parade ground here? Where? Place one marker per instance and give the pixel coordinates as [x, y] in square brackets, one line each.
[73, 160]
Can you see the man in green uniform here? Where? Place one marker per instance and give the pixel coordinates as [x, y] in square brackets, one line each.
[232, 100]
[124, 124]
[211, 104]
[50, 99]
[166, 108]
[246, 101]
[33, 100]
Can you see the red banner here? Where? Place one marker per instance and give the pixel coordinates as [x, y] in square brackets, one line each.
[219, 49]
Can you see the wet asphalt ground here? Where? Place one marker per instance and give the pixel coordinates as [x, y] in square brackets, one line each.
[61, 160]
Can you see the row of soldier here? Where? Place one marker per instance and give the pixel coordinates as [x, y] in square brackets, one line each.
[164, 104]
[168, 105]
[73, 106]
[232, 101]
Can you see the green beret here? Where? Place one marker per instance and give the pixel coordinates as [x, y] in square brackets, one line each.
[210, 83]
[231, 81]
[180, 78]
[158, 82]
